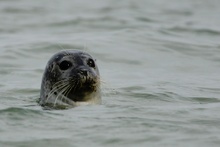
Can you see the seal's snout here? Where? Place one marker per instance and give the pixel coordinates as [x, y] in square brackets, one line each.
[83, 72]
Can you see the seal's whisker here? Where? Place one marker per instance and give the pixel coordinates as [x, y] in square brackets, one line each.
[65, 92]
[67, 101]
[73, 86]
[68, 89]
[64, 80]
[55, 89]
[102, 81]
[60, 46]
[76, 85]
[60, 94]
[58, 83]
[58, 88]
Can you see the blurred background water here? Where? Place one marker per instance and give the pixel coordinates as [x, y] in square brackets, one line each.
[159, 60]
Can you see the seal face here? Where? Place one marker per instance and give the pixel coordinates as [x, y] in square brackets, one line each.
[71, 77]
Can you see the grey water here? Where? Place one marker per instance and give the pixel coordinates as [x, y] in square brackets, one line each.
[159, 63]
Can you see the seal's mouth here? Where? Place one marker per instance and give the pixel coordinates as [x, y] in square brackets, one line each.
[82, 88]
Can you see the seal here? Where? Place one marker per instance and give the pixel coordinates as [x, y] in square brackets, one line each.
[71, 78]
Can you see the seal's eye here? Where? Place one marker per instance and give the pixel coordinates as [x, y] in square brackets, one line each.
[64, 65]
[91, 63]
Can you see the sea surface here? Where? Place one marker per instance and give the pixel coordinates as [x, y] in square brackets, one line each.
[159, 62]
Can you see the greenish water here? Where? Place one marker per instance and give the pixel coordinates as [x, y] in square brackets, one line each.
[159, 62]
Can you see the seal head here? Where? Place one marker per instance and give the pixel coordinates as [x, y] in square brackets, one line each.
[71, 77]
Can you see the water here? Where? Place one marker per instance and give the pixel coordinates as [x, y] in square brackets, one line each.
[159, 61]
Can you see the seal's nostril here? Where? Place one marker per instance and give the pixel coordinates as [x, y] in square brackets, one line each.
[83, 72]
